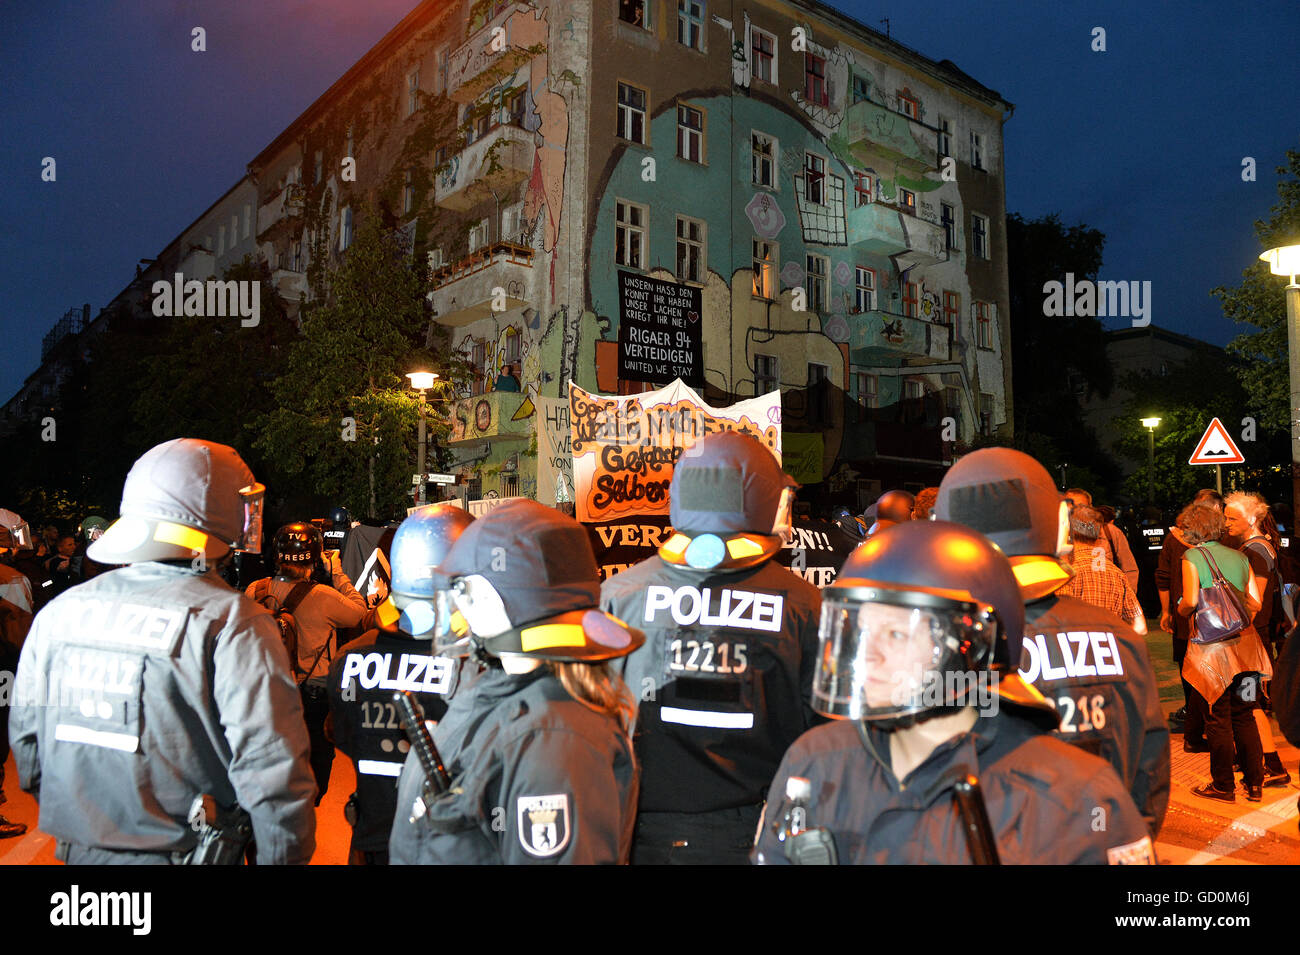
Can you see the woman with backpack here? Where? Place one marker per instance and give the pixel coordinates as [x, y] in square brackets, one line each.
[1224, 671]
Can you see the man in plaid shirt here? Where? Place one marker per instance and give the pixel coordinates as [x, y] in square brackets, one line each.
[1096, 580]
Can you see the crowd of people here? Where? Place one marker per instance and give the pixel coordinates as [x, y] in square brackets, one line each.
[973, 686]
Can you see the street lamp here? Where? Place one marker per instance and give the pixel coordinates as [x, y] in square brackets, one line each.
[1285, 260]
[1151, 424]
[421, 381]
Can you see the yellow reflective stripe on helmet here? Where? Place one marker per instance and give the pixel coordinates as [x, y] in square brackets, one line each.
[743, 547]
[552, 635]
[182, 536]
[387, 614]
[676, 544]
[1038, 571]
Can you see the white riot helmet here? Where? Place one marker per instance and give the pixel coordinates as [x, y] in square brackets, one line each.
[185, 498]
[15, 534]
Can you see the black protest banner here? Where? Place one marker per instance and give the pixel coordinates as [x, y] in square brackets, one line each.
[659, 331]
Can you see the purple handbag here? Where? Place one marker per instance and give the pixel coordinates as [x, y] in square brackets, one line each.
[1220, 612]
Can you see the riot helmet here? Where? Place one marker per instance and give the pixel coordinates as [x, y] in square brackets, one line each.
[184, 498]
[894, 507]
[15, 533]
[341, 518]
[525, 579]
[92, 528]
[418, 600]
[730, 505]
[916, 615]
[1011, 499]
[298, 544]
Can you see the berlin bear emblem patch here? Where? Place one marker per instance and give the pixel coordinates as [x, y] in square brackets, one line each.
[544, 824]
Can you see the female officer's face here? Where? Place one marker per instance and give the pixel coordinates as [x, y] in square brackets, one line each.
[898, 649]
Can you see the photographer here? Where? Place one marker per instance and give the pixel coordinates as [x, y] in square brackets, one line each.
[310, 584]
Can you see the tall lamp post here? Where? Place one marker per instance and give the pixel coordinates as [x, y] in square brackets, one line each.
[421, 381]
[1151, 424]
[1285, 260]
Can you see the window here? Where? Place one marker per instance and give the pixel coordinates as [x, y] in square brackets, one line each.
[814, 176]
[864, 298]
[861, 88]
[408, 193]
[908, 106]
[945, 137]
[690, 24]
[763, 153]
[815, 282]
[635, 12]
[481, 124]
[867, 389]
[907, 201]
[320, 166]
[478, 360]
[947, 216]
[983, 325]
[348, 148]
[298, 255]
[764, 268]
[512, 345]
[911, 300]
[631, 113]
[986, 413]
[412, 91]
[435, 259]
[766, 379]
[913, 389]
[514, 108]
[814, 80]
[207, 242]
[478, 235]
[762, 55]
[951, 308]
[441, 81]
[439, 157]
[952, 402]
[345, 228]
[510, 485]
[629, 234]
[221, 240]
[690, 250]
[977, 150]
[979, 232]
[248, 218]
[819, 398]
[862, 186]
[690, 134]
[234, 230]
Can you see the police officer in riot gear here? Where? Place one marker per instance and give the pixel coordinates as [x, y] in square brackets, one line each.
[401, 654]
[894, 507]
[917, 635]
[537, 748]
[723, 681]
[1084, 660]
[336, 534]
[156, 684]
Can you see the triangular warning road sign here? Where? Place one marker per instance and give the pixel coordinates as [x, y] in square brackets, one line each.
[1215, 447]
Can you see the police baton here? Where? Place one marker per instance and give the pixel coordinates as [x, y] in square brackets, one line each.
[975, 820]
[436, 780]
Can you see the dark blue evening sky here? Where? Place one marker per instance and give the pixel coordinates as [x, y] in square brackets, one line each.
[1143, 141]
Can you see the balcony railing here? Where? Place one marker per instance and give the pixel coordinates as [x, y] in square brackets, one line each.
[879, 137]
[879, 337]
[474, 65]
[463, 291]
[491, 415]
[498, 161]
[282, 205]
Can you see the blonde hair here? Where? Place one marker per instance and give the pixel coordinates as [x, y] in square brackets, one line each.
[598, 688]
[1251, 503]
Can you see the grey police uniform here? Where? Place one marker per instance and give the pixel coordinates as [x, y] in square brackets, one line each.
[1095, 670]
[144, 688]
[724, 687]
[1048, 803]
[533, 772]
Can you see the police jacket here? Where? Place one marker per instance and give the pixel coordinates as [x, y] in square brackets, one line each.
[537, 778]
[367, 727]
[146, 687]
[723, 681]
[1096, 672]
[1048, 803]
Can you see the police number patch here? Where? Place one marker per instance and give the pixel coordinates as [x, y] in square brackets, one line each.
[543, 824]
[1133, 853]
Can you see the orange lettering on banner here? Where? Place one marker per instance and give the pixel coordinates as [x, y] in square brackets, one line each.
[634, 448]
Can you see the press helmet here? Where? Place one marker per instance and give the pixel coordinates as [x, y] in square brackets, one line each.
[298, 543]
[418, 600]
[184, 498]
[912, 609]
[729, 504]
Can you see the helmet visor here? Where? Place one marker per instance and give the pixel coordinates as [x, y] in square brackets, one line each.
[880, 660]
[252, 498]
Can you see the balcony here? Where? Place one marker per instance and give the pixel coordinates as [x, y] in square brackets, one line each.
[883, 338]
[285, 204]
[494, 415]
[883, 140]
[290, 283]
[499, 161]
[877, 228]
[475, 66]
[926, 243]
[463, 291]
[199, 264]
